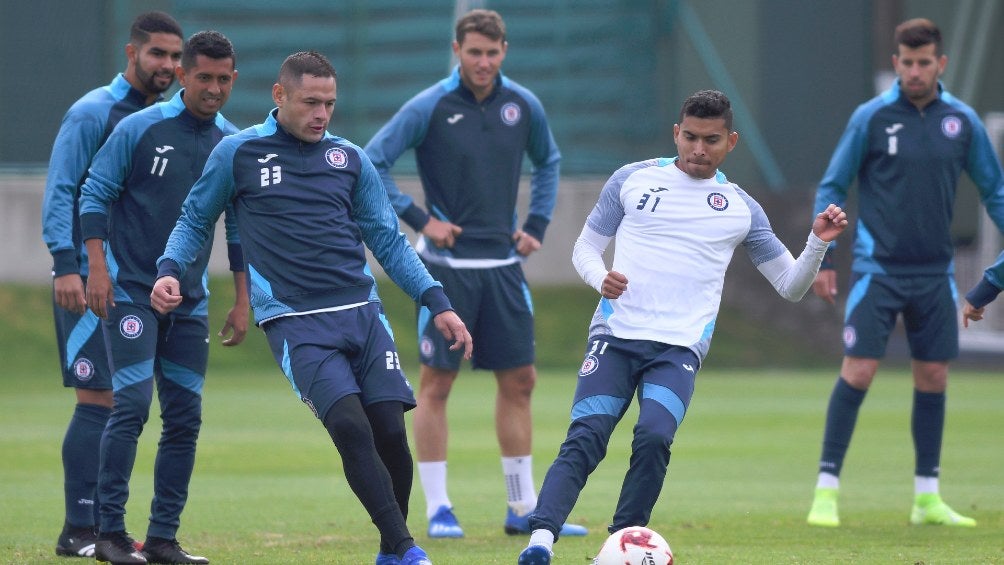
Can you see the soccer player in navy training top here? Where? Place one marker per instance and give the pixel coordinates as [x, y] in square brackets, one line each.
[309, 204]
[677, 223]
[907, 148]
[153, 51]
[129, 204]
[470, 132]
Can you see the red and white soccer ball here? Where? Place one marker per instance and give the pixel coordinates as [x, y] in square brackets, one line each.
[635, 546]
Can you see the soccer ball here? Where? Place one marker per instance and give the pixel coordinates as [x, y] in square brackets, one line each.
[635, 545]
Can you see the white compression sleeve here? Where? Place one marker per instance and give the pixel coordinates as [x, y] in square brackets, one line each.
[792, 277]
[587, 257]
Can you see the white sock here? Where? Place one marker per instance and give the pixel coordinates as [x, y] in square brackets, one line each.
[925, 485]
[828, 480]
[518, 473]
[433, 477]
[543, 538]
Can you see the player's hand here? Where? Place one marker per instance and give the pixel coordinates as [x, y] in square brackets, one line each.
[100, 294]
[614, 285]
[829, 223]
[236, 327]
[525, 243]
[452, 327]
[970, 313]
[443, 234]
[166, 295]
[825, 285]
[69, 293]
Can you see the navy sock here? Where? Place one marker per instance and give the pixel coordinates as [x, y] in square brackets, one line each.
[81, 447]
[927, 425]
[841, 417]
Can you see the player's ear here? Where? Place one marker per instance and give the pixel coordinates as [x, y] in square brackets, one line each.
[278, 94]
[733, 139]
[131, 53]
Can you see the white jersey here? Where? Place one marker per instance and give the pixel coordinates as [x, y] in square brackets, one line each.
[675, 237]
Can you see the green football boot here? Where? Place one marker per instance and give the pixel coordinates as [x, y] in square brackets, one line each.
[824, 508]
[929, 509]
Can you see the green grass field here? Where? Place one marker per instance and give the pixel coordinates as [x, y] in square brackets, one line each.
[268, 486]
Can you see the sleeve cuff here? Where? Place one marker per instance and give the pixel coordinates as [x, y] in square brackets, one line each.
[93, 226]
[436, 301]
[415, 217]
[64, 262]
[982, 294]
[236, 255]
[169, 268]
[536, 226]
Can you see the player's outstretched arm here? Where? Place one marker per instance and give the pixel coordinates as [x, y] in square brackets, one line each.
[166, 295]
[791, 277]
[452, 327]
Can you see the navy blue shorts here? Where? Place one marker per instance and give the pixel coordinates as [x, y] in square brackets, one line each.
[496, 307]
[329, 355]
[83, 358]
[141, 341]
[614, 370]
[928, 306]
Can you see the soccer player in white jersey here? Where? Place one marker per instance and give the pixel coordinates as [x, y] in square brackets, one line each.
[677, 222]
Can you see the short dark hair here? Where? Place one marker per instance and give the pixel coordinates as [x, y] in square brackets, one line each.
[708, 104]
[152, 22]
[918, 32]
[305, 63]
[486, 22]
[212, 44]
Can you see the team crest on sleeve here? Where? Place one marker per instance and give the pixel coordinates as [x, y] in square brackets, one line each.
[717, 201]
[951, 126]
[131, 327]
[83, 369]
[337, 157]
[511, 113]
[589, 365]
